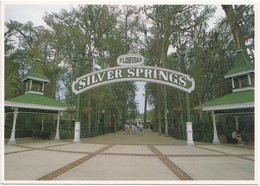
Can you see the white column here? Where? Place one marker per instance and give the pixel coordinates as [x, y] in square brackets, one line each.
[215, 139]
[57, 136]
[42, 124]
[233, 83]
[77, 132]
[30, 88]
[249, 80]
[43, 87]
[236, 120]
[189, 132]
[12, 138]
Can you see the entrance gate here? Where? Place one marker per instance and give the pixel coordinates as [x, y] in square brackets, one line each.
[131, 69]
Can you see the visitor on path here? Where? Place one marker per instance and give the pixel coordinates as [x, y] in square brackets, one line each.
[140, 127]
[133, 129]
[237, 137]
[126, 129]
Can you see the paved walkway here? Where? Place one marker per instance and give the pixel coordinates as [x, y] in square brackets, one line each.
[116, 158]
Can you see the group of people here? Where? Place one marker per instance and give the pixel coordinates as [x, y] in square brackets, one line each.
[133, 128]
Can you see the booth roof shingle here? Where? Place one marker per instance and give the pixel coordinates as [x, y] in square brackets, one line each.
[36, 72]
[242, 98]
[241, 66]
[37, 100]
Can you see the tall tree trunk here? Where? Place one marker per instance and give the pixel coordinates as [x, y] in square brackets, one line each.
[165, 46]
[165, 110]
[145, 106]
[156, 111]
[89, 114]
[235, 28]
[159, 119]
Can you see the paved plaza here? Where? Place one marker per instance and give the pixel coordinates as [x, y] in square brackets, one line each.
[117, 158]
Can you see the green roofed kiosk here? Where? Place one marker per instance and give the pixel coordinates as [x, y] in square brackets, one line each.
[241, 100]
[34, 101]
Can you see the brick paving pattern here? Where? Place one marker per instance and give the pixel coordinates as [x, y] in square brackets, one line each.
[60, 171]
[169, 155]
[174, 168]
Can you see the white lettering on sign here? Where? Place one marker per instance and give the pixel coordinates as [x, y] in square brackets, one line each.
[130, 73]
[130, 60]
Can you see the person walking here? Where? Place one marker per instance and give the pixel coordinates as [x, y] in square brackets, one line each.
[133, 129]
[140, 127]
[126, 129]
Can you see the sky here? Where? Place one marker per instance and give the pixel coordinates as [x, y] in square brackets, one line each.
[23, 13]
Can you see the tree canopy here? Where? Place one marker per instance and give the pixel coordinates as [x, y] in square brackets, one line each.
[172, 36]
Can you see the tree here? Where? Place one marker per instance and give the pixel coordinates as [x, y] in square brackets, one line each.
[91, 34]
[173, 25]
[30, 45]
[241, 21]
[171, 36]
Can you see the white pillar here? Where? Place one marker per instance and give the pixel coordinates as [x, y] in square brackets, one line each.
[77, 132]
[236, 120]
[233, 83]
[215, 139]
[43, 87]
[12, 138]
[30, 85]
[57, 136]
[249, 80]
[189, 134]
[42, 124]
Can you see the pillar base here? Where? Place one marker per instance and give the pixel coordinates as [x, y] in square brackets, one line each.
[189, 132]
[57, 135]
[77, 133]
[215, 138]
[216, 142]
[57, 139]
[76, 141]
[11, 142]
[190, 143]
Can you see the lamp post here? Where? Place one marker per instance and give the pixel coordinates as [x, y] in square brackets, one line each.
[113, 122]
[189, 130]
[77, 122]
[103, 120]
[77, 119]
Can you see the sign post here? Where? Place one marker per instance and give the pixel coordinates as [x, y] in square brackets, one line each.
[77, 122]
[189, 130]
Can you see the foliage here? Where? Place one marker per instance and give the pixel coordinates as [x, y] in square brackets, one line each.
[172, 36]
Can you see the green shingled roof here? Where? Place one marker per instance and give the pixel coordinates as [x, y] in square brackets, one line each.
[36, 72]
[241, 65]
[37, 100]
[241, 98]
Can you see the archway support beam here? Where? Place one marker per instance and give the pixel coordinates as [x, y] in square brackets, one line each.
[189, 130]
[77, 122]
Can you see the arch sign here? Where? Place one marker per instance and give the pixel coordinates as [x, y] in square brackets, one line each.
[131, 69]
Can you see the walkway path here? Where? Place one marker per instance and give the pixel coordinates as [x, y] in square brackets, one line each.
[135, 158]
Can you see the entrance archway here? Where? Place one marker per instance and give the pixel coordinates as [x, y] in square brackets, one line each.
[134, 73]
[131, 69]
